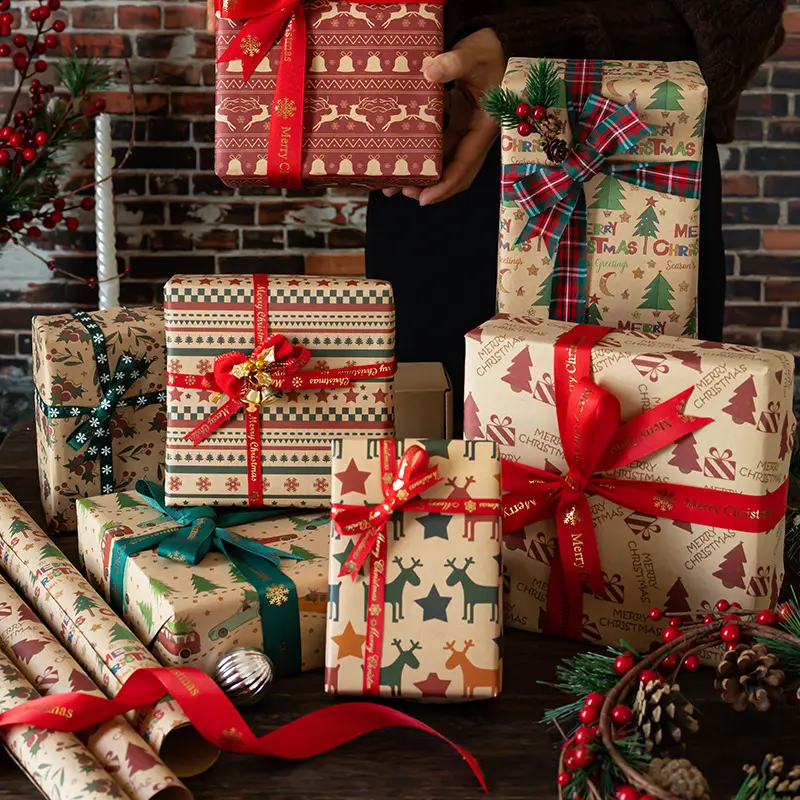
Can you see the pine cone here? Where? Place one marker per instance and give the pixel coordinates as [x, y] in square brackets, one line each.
[556, 150]
[662, 714]
[749, 676]
[770, 777]
[680, 777]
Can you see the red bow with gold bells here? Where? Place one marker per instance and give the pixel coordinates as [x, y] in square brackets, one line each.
[595, 441]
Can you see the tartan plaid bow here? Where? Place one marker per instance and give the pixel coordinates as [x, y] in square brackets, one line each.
[553, 196]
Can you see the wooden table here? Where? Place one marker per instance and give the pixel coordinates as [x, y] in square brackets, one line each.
[517, 753]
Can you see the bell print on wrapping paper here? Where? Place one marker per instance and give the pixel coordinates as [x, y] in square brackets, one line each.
[318, 63]
[401, 63]
[346, 63]
[374, 63]
[235, 165]
[318, 165]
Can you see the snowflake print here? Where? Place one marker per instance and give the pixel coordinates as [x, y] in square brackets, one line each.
[321, 364]
[203, 484]
[277, 595]
[232, 484]
[203, 366]
[264, 484]
[291, 484]
[321, 485]
[174, 365]
[174, 483]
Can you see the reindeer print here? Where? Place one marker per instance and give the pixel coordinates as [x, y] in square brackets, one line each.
[392, 674]
[333, 600]
[474, 593]
[474, 677]
[394, 590]
[332, 679]
[340, 10]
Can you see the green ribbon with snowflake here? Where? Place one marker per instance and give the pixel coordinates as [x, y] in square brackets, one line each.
[203, 528]
[93, 430]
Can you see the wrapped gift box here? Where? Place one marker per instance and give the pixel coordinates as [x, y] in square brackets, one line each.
[93, 437]
[193, 614]
[641, 243]
[369, 118]
[278, 455]
[442, 618]
[647, 560]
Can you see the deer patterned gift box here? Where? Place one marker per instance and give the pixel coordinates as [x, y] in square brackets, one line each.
[728, 474]
[339, 100]
[99, 384]
[420, 614]
[193, 613]
[263, 372]
[609, 236]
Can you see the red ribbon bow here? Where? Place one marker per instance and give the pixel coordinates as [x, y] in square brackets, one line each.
[596, 441]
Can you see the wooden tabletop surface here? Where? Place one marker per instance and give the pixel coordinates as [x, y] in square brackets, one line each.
[516, 752]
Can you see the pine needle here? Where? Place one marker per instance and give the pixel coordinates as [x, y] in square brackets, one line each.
[82, 76]
[542, 84]
[787, 654]
[501, 105]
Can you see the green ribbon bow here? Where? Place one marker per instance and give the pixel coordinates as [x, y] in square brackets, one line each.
[201, 529]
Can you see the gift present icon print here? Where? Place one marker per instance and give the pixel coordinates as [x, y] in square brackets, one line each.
[720, 465]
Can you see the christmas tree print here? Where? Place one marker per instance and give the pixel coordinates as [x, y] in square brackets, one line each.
[236, 574]
[518, 376]
[741, 406]
[593, 315]
[139, 759]
[690, 326]
[784, 438]
[684, 455]
[147, 614]
[647, 224]
[18, 526]
[731, 568]
[79, 682]
[609, 195]
[159, 588]
[125, 500]
[201, 584]
[472, 422]
[700, 125]
[27, 649]
[50, 551]
[306, 555]
[677, 597]
[658, 295]
[84, 603]
[667, 97]
[119, 633]
[544, 292]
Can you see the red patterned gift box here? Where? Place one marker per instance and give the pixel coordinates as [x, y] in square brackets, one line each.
[263, 372]
[350, 107]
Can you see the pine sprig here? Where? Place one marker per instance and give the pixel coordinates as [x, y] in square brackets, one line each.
[787, 654]
[769, 782]
[501, 105]
[82, 76]
[542, 84]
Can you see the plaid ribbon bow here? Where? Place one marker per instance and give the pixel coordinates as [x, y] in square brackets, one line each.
[553, 196]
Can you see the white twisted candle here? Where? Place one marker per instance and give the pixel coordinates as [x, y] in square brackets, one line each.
[105, 223]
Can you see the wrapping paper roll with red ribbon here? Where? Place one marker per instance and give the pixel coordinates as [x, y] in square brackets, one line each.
[627, 472]
[328, 93]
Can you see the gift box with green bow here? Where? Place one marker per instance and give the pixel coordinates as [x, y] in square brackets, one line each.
[100, 394]
[194, 582]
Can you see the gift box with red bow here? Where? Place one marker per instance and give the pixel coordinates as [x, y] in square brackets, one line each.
[649, 484]
[414, 601]
[263, 372]
[327, 93]
[600, 218]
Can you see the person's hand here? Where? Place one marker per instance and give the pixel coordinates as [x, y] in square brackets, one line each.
[476, 63]
[211, 16]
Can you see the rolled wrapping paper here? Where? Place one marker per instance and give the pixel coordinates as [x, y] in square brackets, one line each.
[93, 633]
[56, 763]
[36, 653]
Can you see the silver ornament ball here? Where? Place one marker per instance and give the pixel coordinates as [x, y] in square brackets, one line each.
[244, 674]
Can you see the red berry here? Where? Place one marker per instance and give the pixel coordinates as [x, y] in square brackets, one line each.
[91, 282]
[691, 664]
[42, 138]
[709, 619]
[730, 646]
[34, 232]
[40, 48]
[6, 132]
[767, 617]
[127, 269]
[34, 14]
[16, 224]
[621, 715]
[730, 634]
[5, 157]
[627, 793]
[670, 662]
[50, 41]
[72, 223]
[20, 62]
[671, 634]
[51, 265]
[29, 154]
[6, 18]
[569, 763]
[41, 65]
[731, 618]
[594, 699]
[584, 735]
[54, 5]
[59, 25]
[785, 611]
[583, 756]
[26, 216]
[736, 605]
[674, 622]
[87, 203]
[57, 217]
[100, 104]
[539, 113]
[564, 779]
[656, 614]
[523, 110]
[723, 606]
[624, 663]
[5, 48]
[59, 203]
[20, 40]
[5, 32]
[524, 129]
[589, 714]
[648, 675]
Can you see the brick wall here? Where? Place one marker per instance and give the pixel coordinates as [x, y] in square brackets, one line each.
[175, 216]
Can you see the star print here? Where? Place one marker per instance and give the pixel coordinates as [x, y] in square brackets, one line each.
[433, 686]
[235, 281]
[683, 286]
[323, 283]
[638, 273]
[97, 627]
[292, 395]
[293, 282]
[674, 318]
[380, 396]
[651, 264]
[547, 261]
[322, 395]
[353, 479]
[605, 309]
[204, 281]
[520, 291]
[351, 396]
[349, 642]
[351, 283]
[625, 217]
[533, 270]
[343, 556]
[175, 394]
[683, 118]
[435, 525]
[594, 299]
[437, 447]
[204, 395]
[434, 605]
[636, 315]
[519, 216]
[651, 201]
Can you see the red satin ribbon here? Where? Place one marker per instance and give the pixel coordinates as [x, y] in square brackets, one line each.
[215, 718]
[285, 373]
[595, 441]
[265, 19]
[401, 484]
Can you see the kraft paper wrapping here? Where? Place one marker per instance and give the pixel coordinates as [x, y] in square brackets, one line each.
[343, 322]
[57, 764]
[643, 245]
[443, 621]
[36, 653]
[192, 615]
[98, 641]
[67, 377]
[371, 119]
[647, 561]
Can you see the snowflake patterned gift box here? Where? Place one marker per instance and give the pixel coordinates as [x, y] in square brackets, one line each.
[610, 235]
[263, 372]
[415, 607]
[680, 506]
[136, 551]
[100, 390]
[340, 99]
